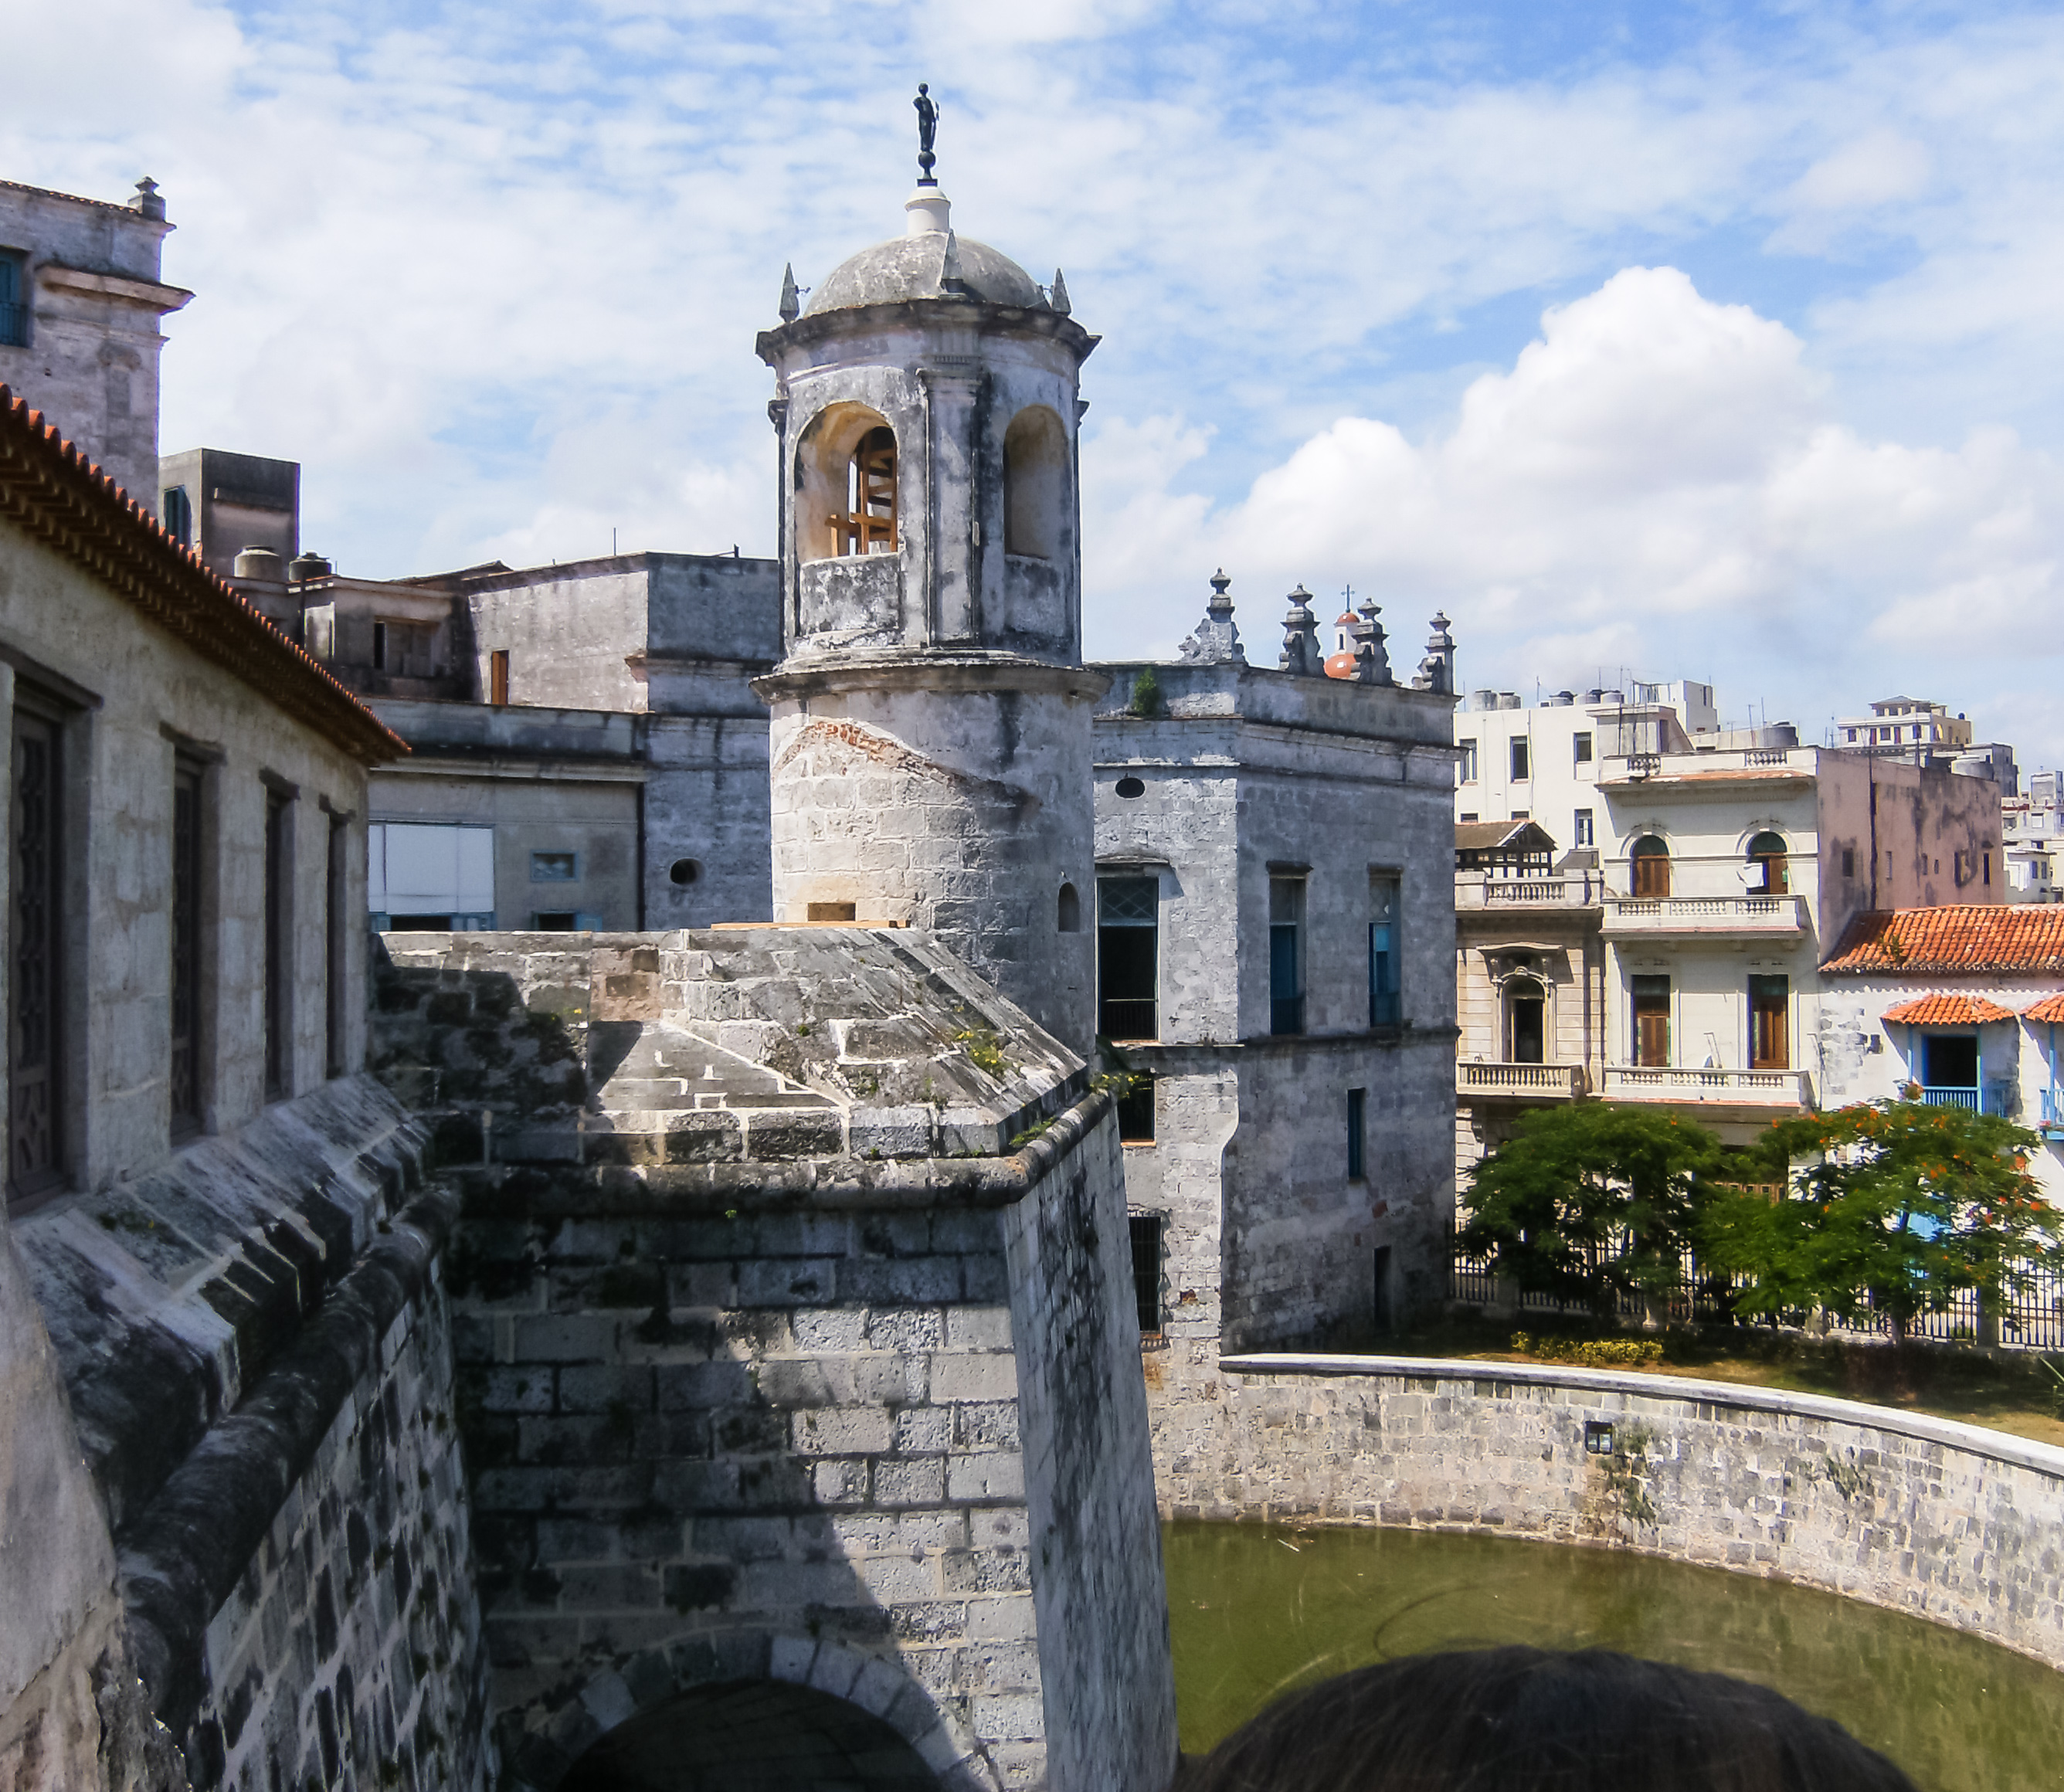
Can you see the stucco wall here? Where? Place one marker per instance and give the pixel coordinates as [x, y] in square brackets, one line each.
[139, 691]
[1942, 1520]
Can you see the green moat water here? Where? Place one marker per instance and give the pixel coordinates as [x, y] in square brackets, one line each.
[1258, 1609]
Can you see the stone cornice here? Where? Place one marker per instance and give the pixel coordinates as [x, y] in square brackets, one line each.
[958, 672]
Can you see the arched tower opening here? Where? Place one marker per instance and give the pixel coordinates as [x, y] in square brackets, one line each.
[1035, 483]
[764, 1733]
[848, 491]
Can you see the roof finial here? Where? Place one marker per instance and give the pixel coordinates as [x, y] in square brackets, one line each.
[790, 300]
[928, 124]
[148, 200]
[1060, 293]
[1215, 640]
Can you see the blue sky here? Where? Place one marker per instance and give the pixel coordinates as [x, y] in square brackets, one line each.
[1720, 341]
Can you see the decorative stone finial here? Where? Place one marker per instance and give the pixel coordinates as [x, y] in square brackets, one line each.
[1060, 293]
[791, 301]
[148, 200]
[1215, 641]
[1437, 671]
[928, 125]
[950, 277]
[1372, 658]
[1301, 653]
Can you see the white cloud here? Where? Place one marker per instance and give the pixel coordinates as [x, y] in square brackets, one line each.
[1654, 483]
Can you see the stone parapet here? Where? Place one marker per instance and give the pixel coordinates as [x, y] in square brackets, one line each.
[1945, 1522]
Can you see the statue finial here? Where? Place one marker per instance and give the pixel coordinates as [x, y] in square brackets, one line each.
[928, 124]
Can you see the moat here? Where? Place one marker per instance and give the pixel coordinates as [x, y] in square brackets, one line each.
[1257, 1609]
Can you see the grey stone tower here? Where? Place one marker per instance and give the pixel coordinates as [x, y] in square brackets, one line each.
[931, 758]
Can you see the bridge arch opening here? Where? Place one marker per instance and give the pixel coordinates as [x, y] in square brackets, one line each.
[764, 1733]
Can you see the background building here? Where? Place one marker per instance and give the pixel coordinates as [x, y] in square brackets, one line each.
[80, 298]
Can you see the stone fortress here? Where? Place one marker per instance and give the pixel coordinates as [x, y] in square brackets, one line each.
[707, 1344]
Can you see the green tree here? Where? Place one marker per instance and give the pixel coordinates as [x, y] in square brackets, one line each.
[1591, 1201]
[1891, 1208]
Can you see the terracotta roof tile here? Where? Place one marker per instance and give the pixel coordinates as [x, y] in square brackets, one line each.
[2050, 1008]
[55, 493]
[1958, 936]
[1948, 1011]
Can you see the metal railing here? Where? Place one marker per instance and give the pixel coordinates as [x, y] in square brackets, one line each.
[1477, 1077]
[2030, 1317]
[1950, 1098]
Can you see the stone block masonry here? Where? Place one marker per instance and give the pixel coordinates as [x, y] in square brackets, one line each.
[1944, 1521]
[794, 1330]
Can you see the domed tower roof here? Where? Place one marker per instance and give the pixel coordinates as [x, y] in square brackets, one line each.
[928, 261]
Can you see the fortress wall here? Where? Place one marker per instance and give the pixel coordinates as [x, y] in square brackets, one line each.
[1945, 1522]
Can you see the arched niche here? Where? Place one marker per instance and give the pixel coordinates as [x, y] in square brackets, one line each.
[1035, 483]
[1070, 916]
[849, 479]
[763, 1734]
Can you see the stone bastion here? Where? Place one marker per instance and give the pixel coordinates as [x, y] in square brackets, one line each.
[1948, 1522]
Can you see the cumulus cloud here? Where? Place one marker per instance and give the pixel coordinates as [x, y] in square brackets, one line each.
[1654, 483]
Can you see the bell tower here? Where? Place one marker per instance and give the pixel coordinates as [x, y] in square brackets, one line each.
[931, 739]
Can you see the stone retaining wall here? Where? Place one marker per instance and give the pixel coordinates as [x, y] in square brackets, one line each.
[1945, 1522]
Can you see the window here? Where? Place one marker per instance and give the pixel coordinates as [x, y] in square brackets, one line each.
[36, 954]
[555, 920]
[1469, 815]
[1989, 868]
[684, 872]
[188, 780]
[1526, 1021]
[497, 676]
[1523, 815]
[1584, 831]
[1136, 1111]
[867, 523]
[1580, 745]
[555, 868]
[1651, 1022]
[1286, 955]
[1381, 1311]
[279, 943]
[176, 510]
[1130, 787]
[1950, 1061]
[438, 875]
[405, 649]
[1035, 474]
[1651, 868]
[1769, 1031]
[14, 300]
[1145, 1230]
[1385, 985]
[831, 911]
[1128, 957]
[1357, 1128]
[1068, 911]
[336, 980]
[1767, 874]
[1519, 761]
[1467, 769]
[1848, 861]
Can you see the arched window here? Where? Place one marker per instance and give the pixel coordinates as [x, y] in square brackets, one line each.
[1651, 866]
[1070, 910]
[1035, 483]
[1526, 1021]
[847, 499]
[1767, 874]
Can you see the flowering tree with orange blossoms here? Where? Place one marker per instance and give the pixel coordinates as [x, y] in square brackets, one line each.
[1891, 1208]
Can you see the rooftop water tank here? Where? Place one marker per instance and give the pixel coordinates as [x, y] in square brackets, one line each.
[259, 562]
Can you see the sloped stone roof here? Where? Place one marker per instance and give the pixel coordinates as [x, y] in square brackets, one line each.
[918, 267]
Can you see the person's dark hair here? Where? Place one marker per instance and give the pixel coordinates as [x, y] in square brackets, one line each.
[1531, 1720]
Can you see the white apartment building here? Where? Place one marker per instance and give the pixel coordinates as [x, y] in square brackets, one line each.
[1904, 723]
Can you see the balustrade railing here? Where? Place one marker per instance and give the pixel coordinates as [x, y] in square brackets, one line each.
[1479, 1078]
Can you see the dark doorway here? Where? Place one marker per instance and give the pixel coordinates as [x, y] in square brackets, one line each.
[1769, 1030]
[1530, 1023]
[761, 1733]
[1949, 1060]
[1385, 1315]
[36, 1094]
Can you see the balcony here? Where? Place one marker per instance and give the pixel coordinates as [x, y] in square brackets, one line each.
[1526, 1082]
[1756, 1089]
[1513, 895]
[1762, 917]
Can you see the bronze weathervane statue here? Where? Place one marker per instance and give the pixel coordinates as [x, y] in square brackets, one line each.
[928, 124]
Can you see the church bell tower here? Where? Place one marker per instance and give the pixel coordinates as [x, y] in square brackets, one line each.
[931, 727]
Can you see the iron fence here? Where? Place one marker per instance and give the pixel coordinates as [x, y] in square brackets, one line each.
[2029, 1311]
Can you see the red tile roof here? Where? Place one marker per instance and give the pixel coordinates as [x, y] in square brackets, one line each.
[1948, 1011]
[1958, 936]
[54, 492]
[2050, 1008]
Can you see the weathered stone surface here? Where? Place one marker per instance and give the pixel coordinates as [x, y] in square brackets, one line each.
[1946, 1521]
